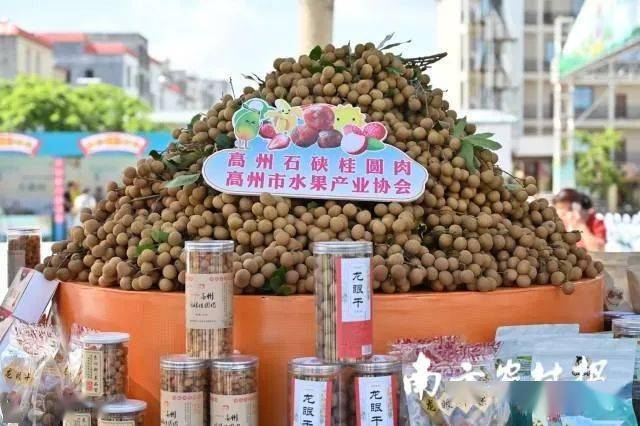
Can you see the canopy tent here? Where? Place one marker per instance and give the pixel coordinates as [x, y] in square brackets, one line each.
[34, 166]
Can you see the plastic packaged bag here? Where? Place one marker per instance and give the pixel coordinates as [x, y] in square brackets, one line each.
[47, 399]
[27, 349]
[74, 357]
[595, 378]
[455, 401]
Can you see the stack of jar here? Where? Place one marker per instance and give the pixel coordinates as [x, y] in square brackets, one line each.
[345, 384]
[104, 384]
[209, 384]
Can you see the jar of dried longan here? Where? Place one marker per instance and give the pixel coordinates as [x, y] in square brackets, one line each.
[129, 412]
[183, 392]
[629, 327]
[234, 391]
[209, 298]
[316, 393]
[343, 278]
[375, 387]
[104, 366]
[23, 250]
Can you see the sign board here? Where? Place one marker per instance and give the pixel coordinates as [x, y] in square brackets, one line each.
[601, 28]
[317, 151]
[28, 296]
[112, 142]
[21, 144]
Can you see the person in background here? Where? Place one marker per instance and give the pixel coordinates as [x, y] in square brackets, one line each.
[577, 212]
[70, 194]
[82, 201]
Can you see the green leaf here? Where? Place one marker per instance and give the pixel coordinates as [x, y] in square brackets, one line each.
[384, 40]
[393, 70]
[159, 236]
[284, 290]
[339, 68]
[483, 142]
[443, 124]
[458, 129]
[513, 186]
[143, 247]
[466, 152]
[374, 144]
[223, 141]
[312, 205]
[182, 180]
[277, 279]
[392, 45]
[315, 53]
[155, 155]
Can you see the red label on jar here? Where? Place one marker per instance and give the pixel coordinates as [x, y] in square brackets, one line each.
[354, 327]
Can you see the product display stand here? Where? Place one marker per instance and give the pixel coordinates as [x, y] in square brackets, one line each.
[277, 329]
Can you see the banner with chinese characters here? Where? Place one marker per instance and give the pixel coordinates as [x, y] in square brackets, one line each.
[316, 151]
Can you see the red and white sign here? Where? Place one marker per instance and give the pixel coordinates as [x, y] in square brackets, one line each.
[15, 142]
[112, 142]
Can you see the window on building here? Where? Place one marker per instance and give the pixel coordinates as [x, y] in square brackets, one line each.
[38, 69]
[128, 77]
[621, 105]
[576, 5]
[620, 156]
[582, 99]
[67, 76]
[88, 73]
[548, 53]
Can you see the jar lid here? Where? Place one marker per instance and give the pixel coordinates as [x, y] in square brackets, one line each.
[343, 247]
[105, 338]
[313, 366]
[182, 362]
[123, 407]
[216, 246]
[378, 364]
[618, 314]
[235, 362]
[24, 230]
[626, 324]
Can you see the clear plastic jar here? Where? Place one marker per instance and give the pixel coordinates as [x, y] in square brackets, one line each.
[183, 390]
[23, 250]
[609, 316]
[316, 392]
[629, 327]
[234, 391]
[104, 366]
[129, 412]
[80, 414]
[375, 392]
[343, 278]
[209, 298]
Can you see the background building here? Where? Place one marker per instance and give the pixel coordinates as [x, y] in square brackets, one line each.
[22, 52]
[500, 56]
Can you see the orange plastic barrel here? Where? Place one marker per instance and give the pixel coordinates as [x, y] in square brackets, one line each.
[280, 328]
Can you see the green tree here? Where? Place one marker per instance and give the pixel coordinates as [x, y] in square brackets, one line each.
[595, 168]
[30, 103]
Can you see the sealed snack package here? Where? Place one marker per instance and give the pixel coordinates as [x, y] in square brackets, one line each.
[592, 377]
[74, 357]
[618, 294]
[455, 387]
[27, 348]
[47, 398]
[516, 343]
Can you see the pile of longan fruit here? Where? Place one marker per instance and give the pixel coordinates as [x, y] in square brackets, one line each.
[469, 230]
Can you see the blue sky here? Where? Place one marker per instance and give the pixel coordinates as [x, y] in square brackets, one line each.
[219, 38]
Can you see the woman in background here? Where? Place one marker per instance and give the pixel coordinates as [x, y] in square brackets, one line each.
[576, 211]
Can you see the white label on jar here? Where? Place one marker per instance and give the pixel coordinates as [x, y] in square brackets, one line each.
[355, 282]
[77, 419]
[209, 301]
[311, 403]
[181, 408]
[234, 410]
[116, 422]
[92, 370]
[376, 402]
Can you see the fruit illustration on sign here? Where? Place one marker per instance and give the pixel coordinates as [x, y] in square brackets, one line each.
[279, 141]
[246, 121]
[319, 117]
[304, 135]
[329, 139]
[354, 143]
[284, 117]
[348, 114]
